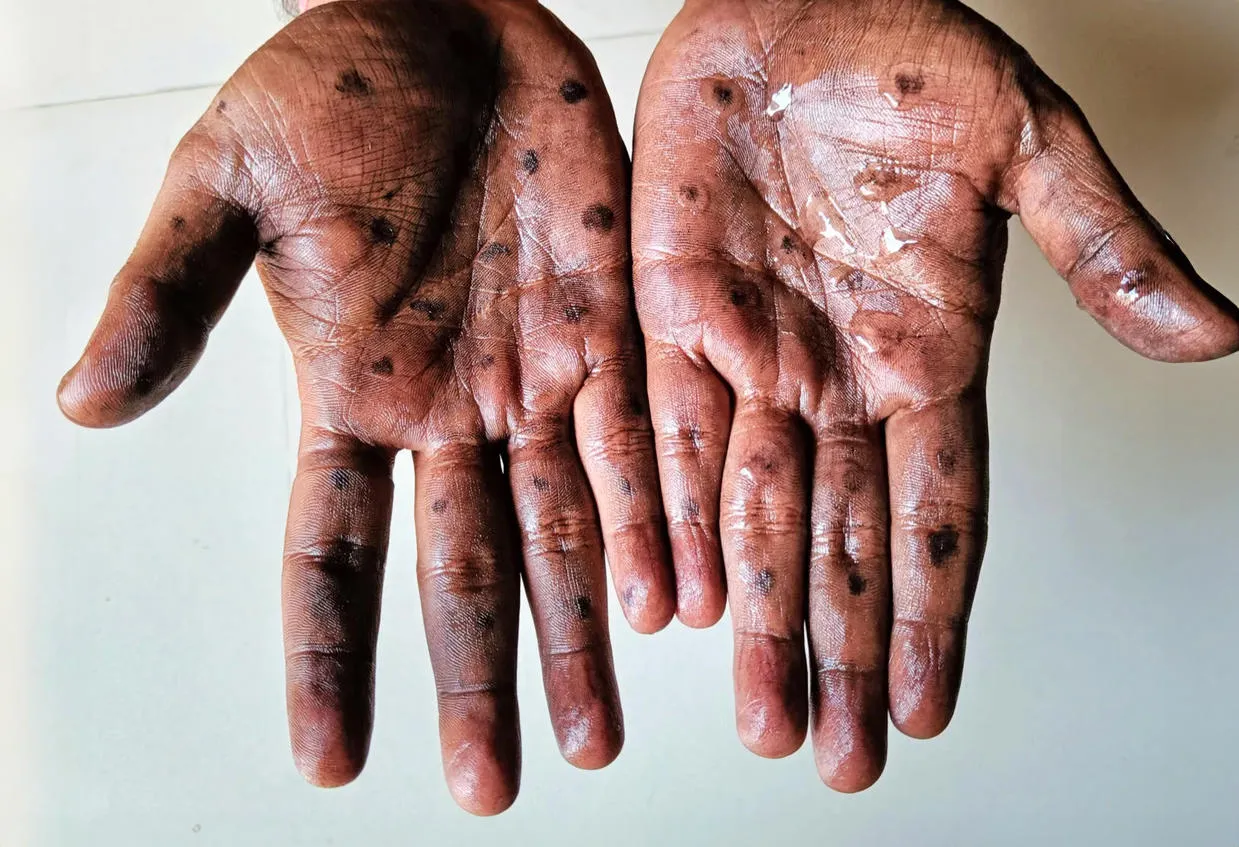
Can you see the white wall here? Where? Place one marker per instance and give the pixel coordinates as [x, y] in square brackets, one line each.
[141, 681]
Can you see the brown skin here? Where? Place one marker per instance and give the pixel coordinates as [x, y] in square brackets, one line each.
[817, 272]
[437, 197]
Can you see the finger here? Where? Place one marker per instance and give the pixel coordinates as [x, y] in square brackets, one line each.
[1122, 266]
[189, 260]
[849, 607]
[333, 577]
[470, 590]
[565, 580]
[764, 545]
[938, 459]
[691, 410]
[617, 447]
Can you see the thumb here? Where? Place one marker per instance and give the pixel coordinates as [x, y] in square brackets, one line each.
[194, 250]
[1123, 267]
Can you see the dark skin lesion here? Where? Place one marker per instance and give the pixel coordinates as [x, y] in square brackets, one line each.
[598, 217]
[353, 83]
[839, 289]
[573, 91]
[943, 545]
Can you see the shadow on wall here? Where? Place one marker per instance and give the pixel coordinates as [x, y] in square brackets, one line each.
[1138, 63]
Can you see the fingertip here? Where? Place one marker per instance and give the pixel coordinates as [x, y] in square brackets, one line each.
[590, 738]
[850, 772]
[698, 609]
[1217, 337]
[647, 608]
[701, 587]
[922, 720]
[126, 370]
[82, 402]
[325, 763]
[329, 734]
[769, 730]
[479, 782]
[69, 400]
[925, 671]
[327, 774]
[1212, 337]
[850, 727]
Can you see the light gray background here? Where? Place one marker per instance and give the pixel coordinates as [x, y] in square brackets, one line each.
[141, 692]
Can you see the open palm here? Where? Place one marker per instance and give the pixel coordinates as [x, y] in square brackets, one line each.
[436, 194]
[820, 205]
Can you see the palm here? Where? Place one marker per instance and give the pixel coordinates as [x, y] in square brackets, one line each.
[821, 192]
[439, 215]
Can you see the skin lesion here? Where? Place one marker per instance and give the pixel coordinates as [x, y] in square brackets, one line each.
[573, 91]
[943, 546]
[353, 83]
[598, 217]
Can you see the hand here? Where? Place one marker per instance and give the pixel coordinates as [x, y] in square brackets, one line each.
[436, 194]
[820, 198]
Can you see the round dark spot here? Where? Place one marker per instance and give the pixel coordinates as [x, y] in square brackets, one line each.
[853, 480]
[787, 244]
[598, 217]
[178, 223]
[432, 309]
[584, 608]
[763, 582]
[574, 313]
[391, 195]
[573, 91]
[382, 367]
[343, 555]
[486, 621]
[689, 193]
[943, 545]
[738, 297]
[339, 479]
[352, 83]
[382, 231]
[909, 83]
[541, 483]
[221, 106]
[439, 506]
[529, 161]
[856, 584]
[723, 95]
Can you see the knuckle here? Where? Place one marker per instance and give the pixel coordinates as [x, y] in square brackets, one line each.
[563, 533]
[458, 576]
[342, 557]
